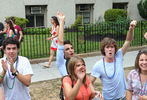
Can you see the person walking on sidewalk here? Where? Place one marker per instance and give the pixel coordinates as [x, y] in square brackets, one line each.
[53, 38]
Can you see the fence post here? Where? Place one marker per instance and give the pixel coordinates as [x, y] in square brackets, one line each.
[77, 41]
[141, 32]
[84, 39]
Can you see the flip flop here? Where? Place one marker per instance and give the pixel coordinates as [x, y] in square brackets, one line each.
[46, 66]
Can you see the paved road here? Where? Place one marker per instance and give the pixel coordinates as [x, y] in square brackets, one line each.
[41, 73]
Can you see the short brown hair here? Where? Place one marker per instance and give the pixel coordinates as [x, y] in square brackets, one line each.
[107, 41]
[137, 59]
[71, 65]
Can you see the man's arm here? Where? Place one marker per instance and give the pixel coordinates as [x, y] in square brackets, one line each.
[2, 75]
[129, 37]
[60, 49]
[61, 28]
[2, 97]
[25, 79]
[92, 79]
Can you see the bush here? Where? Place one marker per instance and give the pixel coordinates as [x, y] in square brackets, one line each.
[36, 31]
[124, 22]
[20, 21]
[142, 7]
[112, 15]
[77, 22]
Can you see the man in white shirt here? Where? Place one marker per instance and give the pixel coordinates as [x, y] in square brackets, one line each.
[15, 72]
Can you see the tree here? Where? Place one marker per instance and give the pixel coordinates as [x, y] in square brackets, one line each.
[142, 7]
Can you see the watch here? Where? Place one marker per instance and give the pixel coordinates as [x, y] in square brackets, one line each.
[15, 74]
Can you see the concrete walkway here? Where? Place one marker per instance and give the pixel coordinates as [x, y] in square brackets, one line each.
[41, 73]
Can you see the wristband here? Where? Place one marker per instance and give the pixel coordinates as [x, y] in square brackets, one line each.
[1, 76]
[15, 74]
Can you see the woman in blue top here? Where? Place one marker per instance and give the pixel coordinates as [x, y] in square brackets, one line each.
[110, 68]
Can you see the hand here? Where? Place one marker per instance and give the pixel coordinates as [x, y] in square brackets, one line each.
[4, 65]
[99, 95]
[145, 35]
[12, 69]
[133, 24]
[48, 39]
[60, 16]
[81, 73]
[144, 97]
[1, 47]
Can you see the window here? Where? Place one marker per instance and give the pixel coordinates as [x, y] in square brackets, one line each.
[36, 16]
[120, 5]
[86, 11]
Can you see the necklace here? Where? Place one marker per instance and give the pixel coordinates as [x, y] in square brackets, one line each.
[82, 92]
[110, 77]
[16, 66]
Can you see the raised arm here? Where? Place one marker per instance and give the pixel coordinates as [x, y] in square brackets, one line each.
[129, 37]
[61, 28]
[21, 35]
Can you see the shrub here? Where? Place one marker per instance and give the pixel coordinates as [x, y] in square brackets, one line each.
[20, 21]
[77, 22]
[142, 7]
[36, 31]
[111, 15]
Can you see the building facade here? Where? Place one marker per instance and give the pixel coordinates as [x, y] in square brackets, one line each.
[39, 12]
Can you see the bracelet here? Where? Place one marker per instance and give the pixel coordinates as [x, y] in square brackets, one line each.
[1, 76]
[15, 74]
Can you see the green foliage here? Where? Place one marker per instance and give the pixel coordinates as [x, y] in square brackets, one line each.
[121, 25]
[77, 22]
[142, 7]
[111, 15]
[20, 21]
[36, 31]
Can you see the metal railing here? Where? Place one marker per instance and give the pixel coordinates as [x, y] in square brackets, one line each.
[85, 38]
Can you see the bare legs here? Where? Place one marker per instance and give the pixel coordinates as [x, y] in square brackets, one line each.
[50, 58]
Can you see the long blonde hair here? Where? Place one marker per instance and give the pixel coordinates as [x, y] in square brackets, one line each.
[71, 66]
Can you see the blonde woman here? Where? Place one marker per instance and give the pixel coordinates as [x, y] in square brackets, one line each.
[82, 89]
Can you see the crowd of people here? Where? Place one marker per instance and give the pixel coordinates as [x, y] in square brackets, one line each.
[16, 71]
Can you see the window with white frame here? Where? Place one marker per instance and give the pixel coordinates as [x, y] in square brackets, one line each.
[86, 11]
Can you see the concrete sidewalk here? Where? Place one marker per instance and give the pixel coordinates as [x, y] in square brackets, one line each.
[41, 73]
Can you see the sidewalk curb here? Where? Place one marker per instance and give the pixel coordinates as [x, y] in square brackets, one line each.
[83, 55]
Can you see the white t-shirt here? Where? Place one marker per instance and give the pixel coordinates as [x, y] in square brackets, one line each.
[19, 91]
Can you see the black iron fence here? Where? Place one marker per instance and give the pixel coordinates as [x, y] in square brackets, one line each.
[85, 38]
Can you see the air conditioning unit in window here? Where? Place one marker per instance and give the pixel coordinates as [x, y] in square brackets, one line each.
[35, 10]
